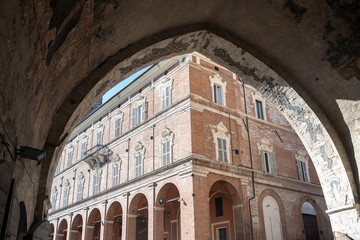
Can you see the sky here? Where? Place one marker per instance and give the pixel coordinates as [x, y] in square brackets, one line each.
[122, 84]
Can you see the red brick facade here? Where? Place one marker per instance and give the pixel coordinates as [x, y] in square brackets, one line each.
[200, 185]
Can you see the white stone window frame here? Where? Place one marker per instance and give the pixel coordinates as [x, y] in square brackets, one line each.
[80, 185]
[118, 115]
[99, 128]
[217, 80]
[84, 140]
[66, 194]
[265, 147]
[258, 97]
[165, 83]
[139, 149]
[140, 115]
[300, 156]
[97, 174]
[69, 151]
[220, 131]
[166, 136]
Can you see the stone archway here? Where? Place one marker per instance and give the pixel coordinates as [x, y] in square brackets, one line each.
[138, 218]
[226, 215]
[114, 222]
[167, 213]
[62, 230]
[76, 228]
[314, 130]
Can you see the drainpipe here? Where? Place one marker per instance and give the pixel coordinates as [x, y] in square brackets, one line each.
[153, 142]
[128, 163]
[231, 147]
[251, 164]
[74, 178]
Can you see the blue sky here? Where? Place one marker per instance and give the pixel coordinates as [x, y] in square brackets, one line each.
[122, 84]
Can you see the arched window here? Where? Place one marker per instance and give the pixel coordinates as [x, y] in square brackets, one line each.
[310, 223]
[273, 229]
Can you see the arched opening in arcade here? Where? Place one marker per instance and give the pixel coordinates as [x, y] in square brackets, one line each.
[167, 214]
[310, 221]
[114, 222]
[138, 218]
[62, 230]
[93, 226]
[226, 219]
[76, 228]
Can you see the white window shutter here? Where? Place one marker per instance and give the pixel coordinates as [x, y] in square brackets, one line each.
[219, 142]
[298, 163]
[133, 117]
[273, 163]
[225, 150]
[262, 157]
[306, 176]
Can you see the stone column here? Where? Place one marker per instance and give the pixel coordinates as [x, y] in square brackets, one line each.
[125, 209]
[89, 232]
[158, 225]
[84, 224]
[109, 227]
[151, 209]
[239, 227]
[131, 225]
[103, 217]
[69, 226]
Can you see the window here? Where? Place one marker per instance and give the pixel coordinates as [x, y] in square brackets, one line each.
[83, 148]
[302, 165]
[165, 153]
[222, 233]
[166, 140]
[138, 114]
[117, 132]
[138, 159]
[219, 207]
[70, 157]
[218, 95]
[222, 150]
[221, 140]
[53, 199]
[138, 165]
[79, 193]
[165, 96]
[115, 175]
[99, 137]
[96, 182]
[57, 170]
[259, 110]
[218, 88]
[268, 162]
[302, 170]
[65, 196]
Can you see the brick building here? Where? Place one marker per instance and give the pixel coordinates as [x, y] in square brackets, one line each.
[173, 158]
